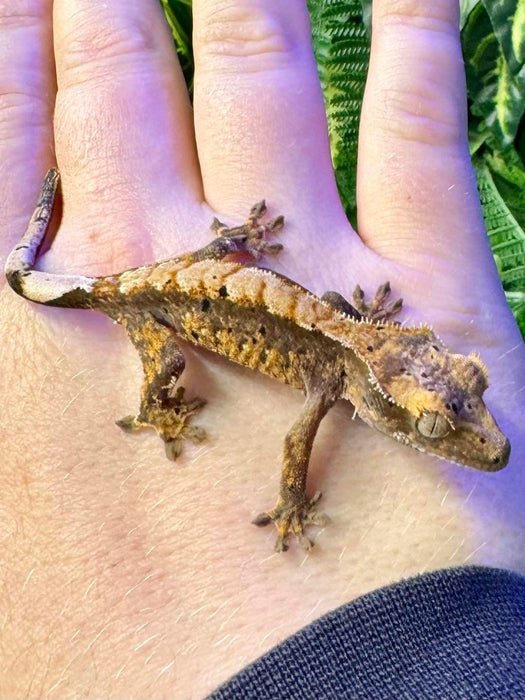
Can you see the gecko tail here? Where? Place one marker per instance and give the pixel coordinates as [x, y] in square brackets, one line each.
[44, 287]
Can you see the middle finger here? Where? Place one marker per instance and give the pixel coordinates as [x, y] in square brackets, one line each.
[259, 114]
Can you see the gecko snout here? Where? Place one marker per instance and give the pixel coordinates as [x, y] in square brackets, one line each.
[500, 457]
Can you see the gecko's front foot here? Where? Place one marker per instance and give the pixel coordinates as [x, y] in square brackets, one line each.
[170, 419]
[291, 520]
[377, 309]
[251, 236]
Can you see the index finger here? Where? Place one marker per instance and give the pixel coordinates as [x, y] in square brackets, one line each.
[27, 95]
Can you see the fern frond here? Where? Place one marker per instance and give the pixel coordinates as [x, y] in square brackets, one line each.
[342, 49]
[507, 240]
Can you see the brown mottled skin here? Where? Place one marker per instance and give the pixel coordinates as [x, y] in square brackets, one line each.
[402, 381]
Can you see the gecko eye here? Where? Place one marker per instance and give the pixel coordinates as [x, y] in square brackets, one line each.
[433, 425]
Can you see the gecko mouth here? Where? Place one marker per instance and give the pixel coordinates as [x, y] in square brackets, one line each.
[492, 461]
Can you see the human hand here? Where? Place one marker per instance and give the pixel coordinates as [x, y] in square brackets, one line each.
[129, 577]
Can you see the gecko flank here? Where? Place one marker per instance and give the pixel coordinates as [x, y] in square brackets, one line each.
[401, 381]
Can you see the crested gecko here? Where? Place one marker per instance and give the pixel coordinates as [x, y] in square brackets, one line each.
[401, 381]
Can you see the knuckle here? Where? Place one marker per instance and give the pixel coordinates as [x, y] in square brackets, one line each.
[25, 93]
[237, 33]
[14, 107]
[416, 116]
[419, 91]
[82, 123]
[20, 110]
[425, 15]
[95, 41]
[21, 13]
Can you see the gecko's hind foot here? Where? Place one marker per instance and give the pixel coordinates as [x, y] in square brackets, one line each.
[291, 520]
[251, 236]
[377, 309]
[170, 419]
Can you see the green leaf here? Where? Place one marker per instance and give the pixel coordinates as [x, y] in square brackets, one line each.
[179, 17]
[516, 301]
[341, 47]
[508, 19]
[466, 7]
[366, 8]
[507, 239]
[508, 174]
[495, 71]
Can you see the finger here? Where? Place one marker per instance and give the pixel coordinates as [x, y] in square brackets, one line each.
[259, 114]
[124, 136]
[417, 194]
[26, 108]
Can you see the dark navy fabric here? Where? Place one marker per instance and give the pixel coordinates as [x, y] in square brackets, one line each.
[455, 633]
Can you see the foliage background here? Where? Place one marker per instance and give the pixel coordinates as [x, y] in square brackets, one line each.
[493, 40]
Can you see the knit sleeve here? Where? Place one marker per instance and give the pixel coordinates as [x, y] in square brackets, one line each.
[454, 633]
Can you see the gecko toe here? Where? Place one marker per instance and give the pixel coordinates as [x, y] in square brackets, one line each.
[257, 211]
[173, 449]
[281, 544]
[275, 225]
[262, 519]
[318, 519]
[195, 434]
[305, 542]
[128, 424]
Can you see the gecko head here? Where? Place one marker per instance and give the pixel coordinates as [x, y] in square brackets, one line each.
[440, 394]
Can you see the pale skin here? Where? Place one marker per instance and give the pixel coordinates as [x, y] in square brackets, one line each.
[122, 574]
